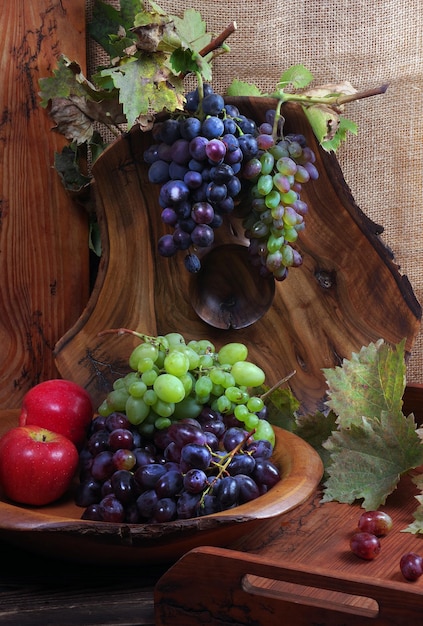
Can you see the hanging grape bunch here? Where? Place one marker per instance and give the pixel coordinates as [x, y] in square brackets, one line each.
[204, 158]
[277, 172]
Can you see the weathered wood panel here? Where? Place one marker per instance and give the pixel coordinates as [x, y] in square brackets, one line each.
[43, 236]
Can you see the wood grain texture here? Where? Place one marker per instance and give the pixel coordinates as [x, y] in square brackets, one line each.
[347, 293]
[43, 235]
[306, 573]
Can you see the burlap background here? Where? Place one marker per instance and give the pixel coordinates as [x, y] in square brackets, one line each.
[367, 43]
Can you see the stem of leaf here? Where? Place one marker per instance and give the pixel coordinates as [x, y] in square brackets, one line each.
[336, 99]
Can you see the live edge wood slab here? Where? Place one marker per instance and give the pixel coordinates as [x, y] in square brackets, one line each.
[347, 293]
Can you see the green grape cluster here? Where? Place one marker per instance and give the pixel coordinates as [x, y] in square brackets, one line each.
[277, 216]
[171, 379]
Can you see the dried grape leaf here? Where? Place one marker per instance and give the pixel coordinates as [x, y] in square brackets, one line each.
[323, 120]
[371, 382]
[369, 457]
[66, 164]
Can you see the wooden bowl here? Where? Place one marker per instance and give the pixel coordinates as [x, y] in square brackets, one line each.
[348, 292]
[56, 530]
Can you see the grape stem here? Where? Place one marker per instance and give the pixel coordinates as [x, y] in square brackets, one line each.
[129, 331]
[215, 46]
[277, 385]
[226, 461]
[336, 99]
[218, 41]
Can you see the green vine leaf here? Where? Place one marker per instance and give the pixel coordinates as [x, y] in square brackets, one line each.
[416, 527]
[281, 408]
[107, 22]
[371, 382]
[63, 83]
[369, 457]
[316, 430]
[345, 126]
[192, 29]
[241, 88]
[144, 84]
[297, 75]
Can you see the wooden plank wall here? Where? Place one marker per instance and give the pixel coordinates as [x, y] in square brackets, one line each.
[44, 262]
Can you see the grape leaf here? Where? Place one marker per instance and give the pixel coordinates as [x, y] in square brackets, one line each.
[281, 406]
[324, 121]
[186, 61]
[316, 429]
[241, 88]
[297, 75]
[416, 527]
[369, 457]
[371, 382]
[66, 164]
[109, 21]
[145, 84]
[62, 84]
[345, 126]
[192, 29]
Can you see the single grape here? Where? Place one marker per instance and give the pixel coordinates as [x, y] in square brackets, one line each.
[195, 480]
[265, 472]
[377, 522]
[146, 503]
[103, 466]
[93, 513]
[124, 459]
[212, 104]
[88, 492]
[164, 510]
[169, 388]
[98, 442]
[111, 509]
[169, 484]
[147, 476]
[247, 488]
[123, 486]
[196, 456]
[411, 566]
[121, 438]
[365, 545]
[247, 374]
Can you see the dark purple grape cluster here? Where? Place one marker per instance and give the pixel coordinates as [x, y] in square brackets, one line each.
[196, 159]
[194, 467]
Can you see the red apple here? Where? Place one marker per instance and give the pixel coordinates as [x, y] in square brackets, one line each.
[58, 405]
[36, 465]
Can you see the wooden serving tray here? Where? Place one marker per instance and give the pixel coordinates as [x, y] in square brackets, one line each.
[348, 292]
[306, 574]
